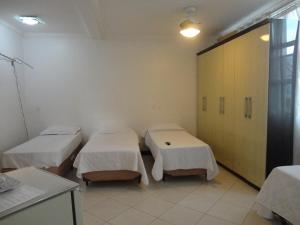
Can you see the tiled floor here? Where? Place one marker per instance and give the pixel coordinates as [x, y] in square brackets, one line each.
[182, 201]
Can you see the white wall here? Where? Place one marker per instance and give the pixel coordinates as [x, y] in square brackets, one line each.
[83, 81]
[12, 131]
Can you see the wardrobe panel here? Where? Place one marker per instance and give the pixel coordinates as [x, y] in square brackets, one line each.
[228, 103]
[260, 102]
[243, 145]
[201, 98]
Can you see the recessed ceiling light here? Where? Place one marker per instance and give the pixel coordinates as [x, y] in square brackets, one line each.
[30, 20]
[190, 27]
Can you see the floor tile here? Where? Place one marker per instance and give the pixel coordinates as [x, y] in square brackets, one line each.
[226, 211]
[200, 202]
[132, 196]
[179, 215]
[154, 206]
[107, 209]
[89, 199]
[210, 220]
[212, 188]
[240, 196]
[253, 219]
[170, 194]
[225, 180]
[185, 184]
[160, 222]
[89, 219]
[132, 217]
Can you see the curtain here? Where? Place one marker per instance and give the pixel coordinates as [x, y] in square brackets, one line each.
[296, 147]
[282, 89]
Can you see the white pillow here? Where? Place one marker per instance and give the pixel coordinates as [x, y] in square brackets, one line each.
[61, 130]
[166, 126]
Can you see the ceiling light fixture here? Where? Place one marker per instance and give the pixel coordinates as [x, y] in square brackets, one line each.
[190, 27]
[30, 20]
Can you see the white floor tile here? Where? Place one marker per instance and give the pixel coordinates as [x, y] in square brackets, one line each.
[226, 211]
[170, 194]
[89, 219]
[132, 197]
[132, 217]
[244, 197]
[107, 209]
[200, 202]
[89, 199]
[160, 222]
[253, 219]
[154, 206]
[179, 215]
[210, 220]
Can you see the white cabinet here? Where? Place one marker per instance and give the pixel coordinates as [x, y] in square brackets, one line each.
[59, 205]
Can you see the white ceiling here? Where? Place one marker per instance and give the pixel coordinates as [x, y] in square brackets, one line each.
[125, 18]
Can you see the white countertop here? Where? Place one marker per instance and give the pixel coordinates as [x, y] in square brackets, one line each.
[52, 185]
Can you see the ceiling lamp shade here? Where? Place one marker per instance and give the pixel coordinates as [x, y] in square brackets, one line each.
[190, 27]
[29, 20]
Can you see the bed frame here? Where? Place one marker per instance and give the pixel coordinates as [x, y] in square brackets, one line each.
[61, 170]
[107, 176]
[184, 173]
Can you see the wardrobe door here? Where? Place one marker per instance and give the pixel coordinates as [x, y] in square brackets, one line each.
[243, 126]
[259, 105]
[202, 98]
[218, 103]
[204, 127]
[212, 86]
[251, 105]
[228, 111]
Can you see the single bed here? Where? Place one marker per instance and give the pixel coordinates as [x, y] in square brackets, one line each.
[54, 149]
[280, 194]
[178, 153]
[111, 156]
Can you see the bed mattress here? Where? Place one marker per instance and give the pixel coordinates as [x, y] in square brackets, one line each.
[42, 151]
[280, 194]
[177, 149]
[111, 152]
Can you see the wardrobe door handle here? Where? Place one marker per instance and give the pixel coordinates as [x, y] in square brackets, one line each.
[246, 108]
[250, 108]
[220, 105]
[223, 108]
[204, 103]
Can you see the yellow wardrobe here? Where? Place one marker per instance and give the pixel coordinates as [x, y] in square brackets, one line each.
[233, 102]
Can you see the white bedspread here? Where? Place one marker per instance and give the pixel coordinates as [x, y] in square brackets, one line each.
[281, 194]
[42, 151]
[110, 152]
[184, 152]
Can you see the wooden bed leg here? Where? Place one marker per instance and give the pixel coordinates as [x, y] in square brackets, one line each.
[139, 179]
[86, 181]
